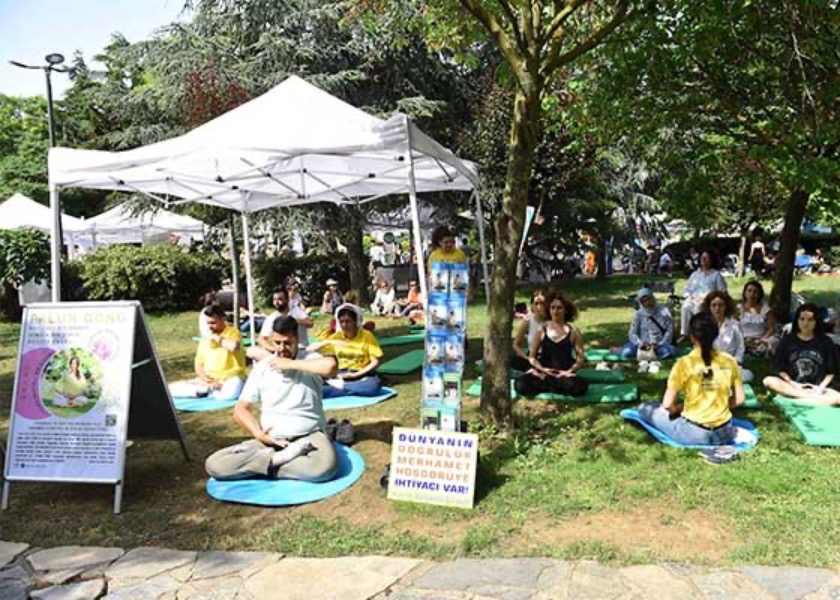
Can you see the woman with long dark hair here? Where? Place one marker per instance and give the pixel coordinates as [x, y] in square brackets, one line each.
[806, 361]
[707, 378]
[553, 362]
[758, 323]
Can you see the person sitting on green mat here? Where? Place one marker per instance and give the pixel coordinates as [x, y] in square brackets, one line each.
[806, 361]
[280, 300]
[383, 304]
[707, 378]
[553, 364]
[528, 328]
[358, 354]
[288, 439]
[730, 338]
[651, 331]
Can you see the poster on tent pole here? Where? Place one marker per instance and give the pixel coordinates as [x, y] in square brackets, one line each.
[71, 394]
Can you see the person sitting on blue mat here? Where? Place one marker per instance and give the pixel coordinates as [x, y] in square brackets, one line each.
[288, 440]
[806, 361]
[553, 364]
[283, 308]
[707, 378]
[219, 360]
[651, 331]
[358, 355]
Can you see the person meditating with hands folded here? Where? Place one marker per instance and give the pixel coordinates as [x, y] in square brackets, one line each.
[710, 381]
[806, 361]
[288, 440]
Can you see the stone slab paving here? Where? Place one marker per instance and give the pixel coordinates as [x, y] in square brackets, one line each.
[82, 573]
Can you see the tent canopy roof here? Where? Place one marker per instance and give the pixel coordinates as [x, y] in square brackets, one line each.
[295, 144]
[21, 211]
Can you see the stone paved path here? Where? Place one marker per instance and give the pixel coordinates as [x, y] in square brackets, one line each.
[82, 573]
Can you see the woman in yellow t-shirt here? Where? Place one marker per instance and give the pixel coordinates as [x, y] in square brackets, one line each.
[357, 352]
[443, 248]
[711, 385]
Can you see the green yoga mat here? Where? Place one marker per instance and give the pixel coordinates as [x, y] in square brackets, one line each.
[819, 425]
[750, 399]
[246, 342]
[403, 364]
[591, 375]
[416, 328]
[397, 340]
[598, 393]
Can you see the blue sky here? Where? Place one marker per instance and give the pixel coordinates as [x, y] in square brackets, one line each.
[31, 29]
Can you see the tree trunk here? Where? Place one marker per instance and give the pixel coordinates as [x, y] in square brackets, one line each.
[495, 392]
[783, 268]
[601, 259]
[10, 303]
[234, 267]
[356, 254]
[742, 255]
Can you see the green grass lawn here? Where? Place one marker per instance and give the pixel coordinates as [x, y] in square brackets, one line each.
[574, 481]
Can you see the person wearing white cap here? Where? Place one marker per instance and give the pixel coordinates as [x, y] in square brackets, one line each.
[651, 333]
[333, 297]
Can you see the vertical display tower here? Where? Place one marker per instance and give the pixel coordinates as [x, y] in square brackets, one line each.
[446, 330]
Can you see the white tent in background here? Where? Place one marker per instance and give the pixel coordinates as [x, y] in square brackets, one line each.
[21, 211]
[118, 225]
[295, 144]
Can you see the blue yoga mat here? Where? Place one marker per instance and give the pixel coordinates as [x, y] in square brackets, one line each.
[343, 402]
[189, 404]
[747, 436]
[288, 492]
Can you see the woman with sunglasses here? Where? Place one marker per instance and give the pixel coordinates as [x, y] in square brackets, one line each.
[710, 382]
[556, 353]
[333, 298]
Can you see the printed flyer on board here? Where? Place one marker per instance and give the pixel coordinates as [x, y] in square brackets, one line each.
[72, 391]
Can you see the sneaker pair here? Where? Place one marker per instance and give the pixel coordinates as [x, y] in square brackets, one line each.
[341, 432]
[652, 366]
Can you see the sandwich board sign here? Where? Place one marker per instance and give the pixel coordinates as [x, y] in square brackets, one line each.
[87, 379]
[433, 467]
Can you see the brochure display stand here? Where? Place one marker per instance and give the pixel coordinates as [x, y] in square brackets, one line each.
[87, 378]
[446, 331]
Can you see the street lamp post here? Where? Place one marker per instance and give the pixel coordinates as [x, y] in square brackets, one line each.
[53, 61]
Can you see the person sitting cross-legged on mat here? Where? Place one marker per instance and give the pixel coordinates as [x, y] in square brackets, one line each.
[553, 365]
[288, 440]
[806, 361]
[358, 355]
[219, 361]
[730, 339]
[283, 308]
[383, 304]
[651, 331]
[526, 331]
[758, 323]
[707, 378]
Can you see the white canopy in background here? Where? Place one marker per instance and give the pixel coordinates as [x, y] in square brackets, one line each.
[118, 225]
[20, 211]
[295, 144]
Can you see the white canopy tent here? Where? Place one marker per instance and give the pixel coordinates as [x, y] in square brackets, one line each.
[21, 211]
[295, 144]
[119, 225]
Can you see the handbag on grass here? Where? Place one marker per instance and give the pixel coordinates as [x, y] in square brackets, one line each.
[645, 355]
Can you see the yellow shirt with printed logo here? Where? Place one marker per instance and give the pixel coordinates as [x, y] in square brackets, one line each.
[355, 353]
[218, 362]
[706, 393]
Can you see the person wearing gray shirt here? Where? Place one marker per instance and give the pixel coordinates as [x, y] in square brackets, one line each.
[288, 440]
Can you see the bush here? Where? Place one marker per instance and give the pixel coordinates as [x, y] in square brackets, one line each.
[163, 277]
[312, 271]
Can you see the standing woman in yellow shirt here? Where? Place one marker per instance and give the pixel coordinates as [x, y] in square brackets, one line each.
[707, 378]
[443, 248]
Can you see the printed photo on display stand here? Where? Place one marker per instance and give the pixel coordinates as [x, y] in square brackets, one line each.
[455, 348]
[440, 277]
[433, 384]
[430, 418]
[449, 419]
[456, 311]
[438, 310]
[435, 348]
[459, 279]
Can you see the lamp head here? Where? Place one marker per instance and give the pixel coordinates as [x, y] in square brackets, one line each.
[54, 58]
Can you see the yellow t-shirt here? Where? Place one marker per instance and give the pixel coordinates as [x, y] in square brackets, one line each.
[219, 363]
[356, 353]
[706, 397]
[456, 257]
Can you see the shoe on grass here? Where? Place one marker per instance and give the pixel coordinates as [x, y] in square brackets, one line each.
[654, 367]
[644, 366]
